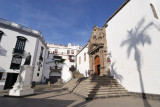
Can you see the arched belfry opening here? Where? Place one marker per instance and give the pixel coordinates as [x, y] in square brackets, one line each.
[97, 65]
[97, 49]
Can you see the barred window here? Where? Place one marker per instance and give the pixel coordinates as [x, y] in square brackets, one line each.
[20, 45]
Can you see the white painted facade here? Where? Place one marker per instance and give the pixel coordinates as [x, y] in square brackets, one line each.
[7, 44]
[60, 50]
[133, 40]
[83, 61]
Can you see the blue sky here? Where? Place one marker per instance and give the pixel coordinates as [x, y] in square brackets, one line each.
[60, 21]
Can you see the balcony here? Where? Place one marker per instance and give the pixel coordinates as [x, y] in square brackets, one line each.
[18, 52]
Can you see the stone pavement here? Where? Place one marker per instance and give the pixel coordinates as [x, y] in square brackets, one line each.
[57, 97]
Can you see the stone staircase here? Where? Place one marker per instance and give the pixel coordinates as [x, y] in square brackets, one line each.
[76, 74]
[72, 84]
[96, 87]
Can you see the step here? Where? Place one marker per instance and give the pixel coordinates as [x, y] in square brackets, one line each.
[94, 83]
[99, 92]
[98, 86]
[94, 90]
[101, 96]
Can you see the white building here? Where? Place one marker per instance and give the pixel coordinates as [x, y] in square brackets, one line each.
[133, 46]
[53, 72]
[83, 61]
[133, 40]
[16, 41]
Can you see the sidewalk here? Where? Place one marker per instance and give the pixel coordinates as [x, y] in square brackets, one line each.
[3, 92]
[57, 97]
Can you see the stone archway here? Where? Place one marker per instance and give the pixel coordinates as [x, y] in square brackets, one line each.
[97, 65]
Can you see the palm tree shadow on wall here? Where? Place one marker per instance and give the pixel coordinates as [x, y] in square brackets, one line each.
[138, 37]
[114, 72]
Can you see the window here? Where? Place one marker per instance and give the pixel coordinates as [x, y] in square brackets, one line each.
[154, 11]
[71, 58]
[1, 74]
[41, 54]
[37, 74]
[84, 57]
[48, 55]
[68, 51]
[79, 60]
[19, 48]
[1, 33]
[72, 51]
[39, 66]
[56, 51]
[16, 62]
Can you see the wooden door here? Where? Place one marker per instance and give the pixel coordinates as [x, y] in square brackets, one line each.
[97, 65]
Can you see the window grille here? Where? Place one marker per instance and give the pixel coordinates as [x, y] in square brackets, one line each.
[16, 62]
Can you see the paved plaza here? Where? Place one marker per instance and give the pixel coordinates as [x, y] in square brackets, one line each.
[57, 97]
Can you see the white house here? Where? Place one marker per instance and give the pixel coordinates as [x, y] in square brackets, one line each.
[133, 40]
[83, 61]
[56, 71]
[16, 41]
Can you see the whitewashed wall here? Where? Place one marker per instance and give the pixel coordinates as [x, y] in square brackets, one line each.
[84, 66]
[8, 42]
[133, 39]
[66, 75]
[35, 77]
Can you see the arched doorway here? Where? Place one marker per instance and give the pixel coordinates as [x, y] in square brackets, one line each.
[97, 65]
[54, 77]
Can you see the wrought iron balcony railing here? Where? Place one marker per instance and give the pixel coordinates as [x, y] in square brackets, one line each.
[18, 52]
